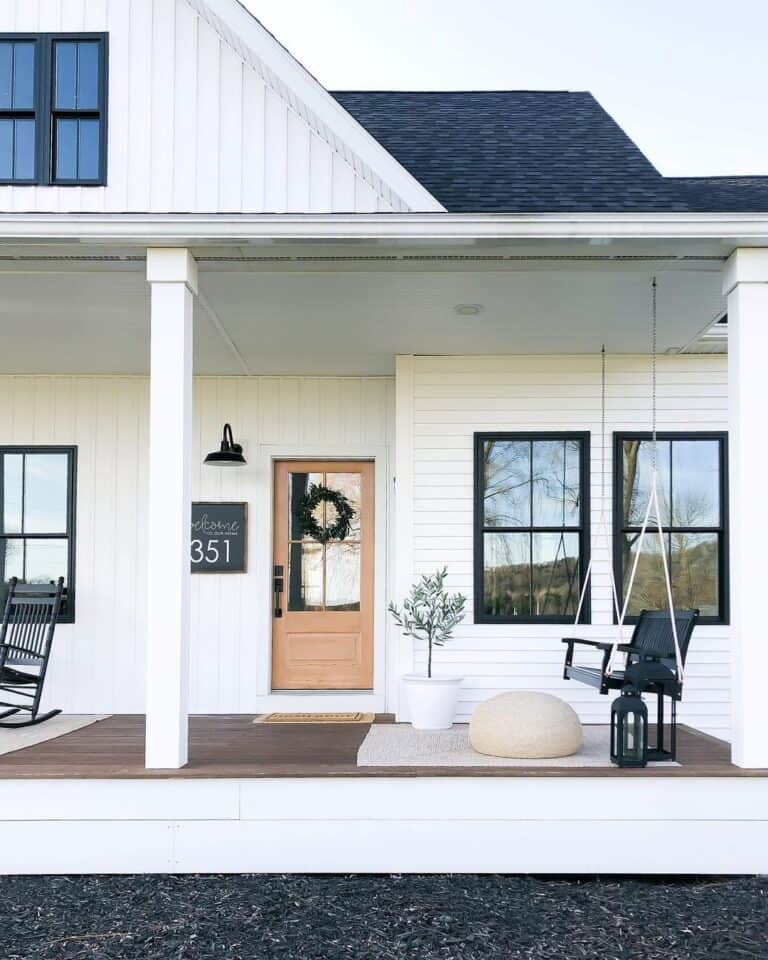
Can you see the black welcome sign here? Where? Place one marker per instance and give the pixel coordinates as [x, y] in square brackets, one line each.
[219, 537]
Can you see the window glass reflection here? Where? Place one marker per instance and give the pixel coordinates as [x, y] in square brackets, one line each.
[12, 492]
[507, 574]
[695, 483]
[46, 478]
[638, 473]
[556, 584]
[556, 478]
[507, 483]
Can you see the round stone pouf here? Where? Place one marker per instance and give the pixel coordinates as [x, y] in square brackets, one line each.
[525, 726]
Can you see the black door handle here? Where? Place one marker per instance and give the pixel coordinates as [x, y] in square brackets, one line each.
[278, 588]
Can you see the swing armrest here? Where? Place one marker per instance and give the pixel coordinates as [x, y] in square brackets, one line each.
[598, 644]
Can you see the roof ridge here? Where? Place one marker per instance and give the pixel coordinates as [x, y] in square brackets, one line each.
[581, 93]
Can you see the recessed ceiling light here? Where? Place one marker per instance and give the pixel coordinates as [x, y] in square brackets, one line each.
[468, 309]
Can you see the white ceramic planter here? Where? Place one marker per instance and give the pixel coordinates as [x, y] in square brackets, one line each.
[432, 701]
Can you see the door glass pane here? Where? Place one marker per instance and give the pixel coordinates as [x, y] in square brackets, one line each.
[46, 479]
[347, 484]
[24, 150]
[556, 584]
[649, 591]
[12, 480]
[66, 149]
[24, 76]
[638, 471]
[506, 483]
[696, 483]
[66, 75]
[342, 576]
[6, 149]
[556, 475]
[507, 574]
[695, 564]
[305, 577]
[298, 487]
[46, 560]
[87, 76]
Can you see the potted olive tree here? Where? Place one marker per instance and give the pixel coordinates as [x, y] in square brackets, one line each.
[430, 614]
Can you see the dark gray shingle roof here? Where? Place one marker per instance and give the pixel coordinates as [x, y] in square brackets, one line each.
[533, 151]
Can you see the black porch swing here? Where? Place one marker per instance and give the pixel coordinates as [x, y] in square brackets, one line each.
[656, 652]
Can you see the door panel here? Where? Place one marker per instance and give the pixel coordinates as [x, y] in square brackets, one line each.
[322, 637]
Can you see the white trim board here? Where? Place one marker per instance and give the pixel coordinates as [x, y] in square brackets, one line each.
[266, 698]
[185, 229]
[381, 825]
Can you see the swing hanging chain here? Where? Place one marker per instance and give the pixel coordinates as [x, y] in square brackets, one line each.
[654, 355]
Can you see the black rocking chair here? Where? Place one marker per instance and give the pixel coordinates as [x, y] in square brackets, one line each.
[26, 635]
[651, 667]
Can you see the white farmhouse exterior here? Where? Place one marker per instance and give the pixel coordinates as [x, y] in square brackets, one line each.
[224, 241]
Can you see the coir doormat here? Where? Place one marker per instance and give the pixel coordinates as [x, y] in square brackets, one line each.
[316, 718]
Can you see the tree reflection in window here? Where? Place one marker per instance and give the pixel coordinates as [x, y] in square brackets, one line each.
[530, 522]
[692, 505]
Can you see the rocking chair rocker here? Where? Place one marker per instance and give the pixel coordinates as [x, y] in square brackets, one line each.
[26, 635]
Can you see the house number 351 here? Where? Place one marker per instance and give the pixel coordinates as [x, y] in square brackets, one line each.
[211, 552]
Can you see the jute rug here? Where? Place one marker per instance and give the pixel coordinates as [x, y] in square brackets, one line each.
[399, 745]
[316, 718]
[12, 740]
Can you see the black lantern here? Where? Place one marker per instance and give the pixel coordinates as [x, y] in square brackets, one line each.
[629, 729]
[229, 455]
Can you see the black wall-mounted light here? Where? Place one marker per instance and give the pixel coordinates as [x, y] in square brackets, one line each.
[229, 455]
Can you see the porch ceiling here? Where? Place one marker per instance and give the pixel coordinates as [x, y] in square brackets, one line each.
[283, 310]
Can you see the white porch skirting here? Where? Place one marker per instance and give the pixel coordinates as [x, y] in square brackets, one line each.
[544, 825]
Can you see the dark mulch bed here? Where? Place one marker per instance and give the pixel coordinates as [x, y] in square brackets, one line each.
[378, 917]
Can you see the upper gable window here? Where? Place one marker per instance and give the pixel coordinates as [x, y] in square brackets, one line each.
[53, 109]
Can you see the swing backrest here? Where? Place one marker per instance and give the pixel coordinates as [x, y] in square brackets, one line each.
[653, 637]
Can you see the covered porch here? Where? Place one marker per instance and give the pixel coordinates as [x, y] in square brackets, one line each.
[391, 346]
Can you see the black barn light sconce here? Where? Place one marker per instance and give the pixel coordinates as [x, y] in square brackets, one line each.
[230, 453]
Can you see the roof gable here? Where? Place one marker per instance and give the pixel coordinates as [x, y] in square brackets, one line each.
[322, 113]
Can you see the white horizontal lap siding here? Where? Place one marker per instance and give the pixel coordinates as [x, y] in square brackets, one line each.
[193, 127]
[455, 397]
[98, 662]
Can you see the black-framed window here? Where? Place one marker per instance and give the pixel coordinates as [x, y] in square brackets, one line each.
[693, 500]
[37, 518]
[53, 109]
[531, 526]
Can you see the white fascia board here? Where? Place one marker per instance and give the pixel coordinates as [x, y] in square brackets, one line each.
[307, 96]
[194, 229]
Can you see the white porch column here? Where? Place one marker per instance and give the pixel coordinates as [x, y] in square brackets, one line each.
[172, 275]
[746, 285]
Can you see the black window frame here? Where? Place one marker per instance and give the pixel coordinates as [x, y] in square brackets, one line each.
[480, 529]
[723, 573]
[45, 113]
[68, 607]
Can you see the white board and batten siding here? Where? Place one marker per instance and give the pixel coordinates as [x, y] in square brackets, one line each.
[98, 666]
[191, 123]
[451, 399]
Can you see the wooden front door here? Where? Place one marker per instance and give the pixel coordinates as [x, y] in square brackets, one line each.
[322, 635]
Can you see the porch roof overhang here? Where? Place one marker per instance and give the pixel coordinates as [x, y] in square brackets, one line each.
[342, 295]
[729, 230]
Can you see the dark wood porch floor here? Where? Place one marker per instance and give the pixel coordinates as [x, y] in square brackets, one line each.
[235, 747]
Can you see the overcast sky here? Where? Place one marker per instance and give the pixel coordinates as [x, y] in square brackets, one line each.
[687, 79]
